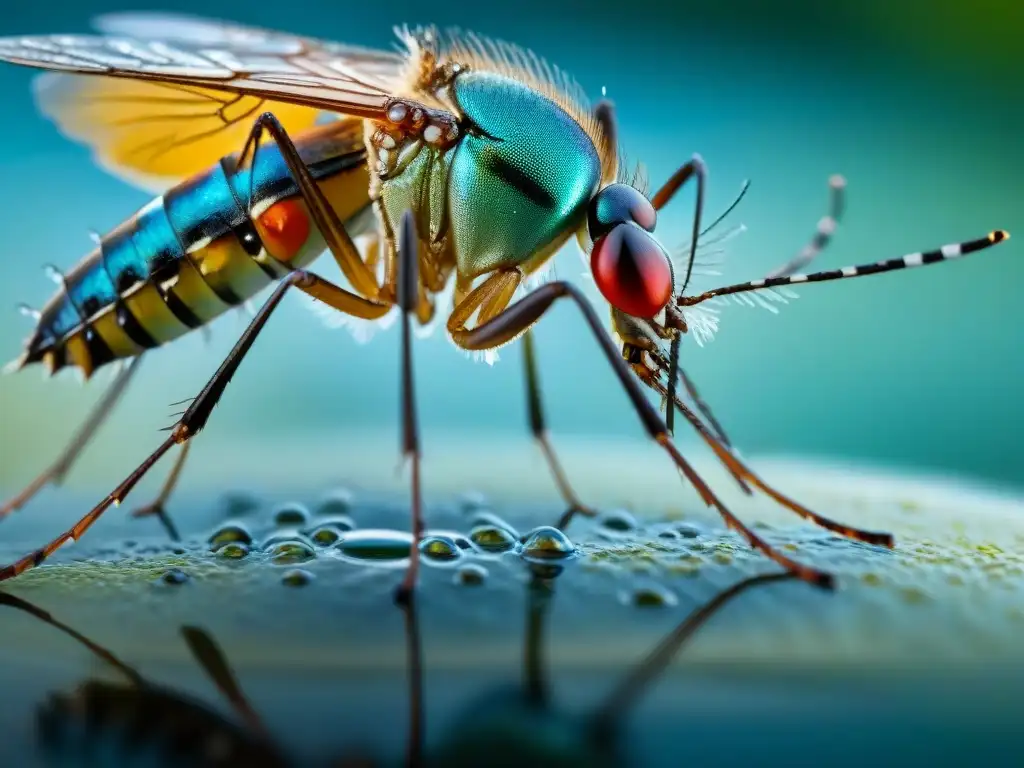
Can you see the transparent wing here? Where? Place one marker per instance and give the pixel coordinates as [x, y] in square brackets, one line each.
[224, 57]
[177, 93]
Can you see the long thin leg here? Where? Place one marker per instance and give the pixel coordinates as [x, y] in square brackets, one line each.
[920, 259]
[517, 318]
[344, 251]
[742, 470]
[196, 416]
[826, 227]
[58, 470]
[540, 433]
[603, 721]
[158, 507]
[408, 296]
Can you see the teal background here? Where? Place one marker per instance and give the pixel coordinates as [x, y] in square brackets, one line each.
[918, 106]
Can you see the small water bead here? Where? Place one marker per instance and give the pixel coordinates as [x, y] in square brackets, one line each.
[233, 550]
[547, 543]
[440, 548]
[688, 531]
[228, 533]
[291, 514]
[650, 596]
[337, 502]
[292, 551]
[375, 544]
[326, 535]
[471, 575]
[174, 577]
[618, 520]
[491, 519]
[296, 577]
[491, 538]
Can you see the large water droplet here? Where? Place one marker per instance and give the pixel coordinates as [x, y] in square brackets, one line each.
[375, 544]
[228, 533]
[547, 543]
[291, 514]
[491, 538]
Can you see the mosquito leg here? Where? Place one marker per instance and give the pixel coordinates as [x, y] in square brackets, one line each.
[540, 433]
[517, 318]
[56, 472]
[158, 506]
[626, 692]
[705, 410]
[195, 418]
[737, 467]
[408, 296]
[344, 251]
[826, 228]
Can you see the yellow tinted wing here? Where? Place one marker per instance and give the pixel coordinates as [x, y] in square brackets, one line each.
[155, 134]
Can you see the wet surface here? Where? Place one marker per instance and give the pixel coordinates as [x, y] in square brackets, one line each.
[298, 594]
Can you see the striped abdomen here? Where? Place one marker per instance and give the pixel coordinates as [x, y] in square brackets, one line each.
[197, 251]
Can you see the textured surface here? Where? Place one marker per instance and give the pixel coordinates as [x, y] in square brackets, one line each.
[930, 630]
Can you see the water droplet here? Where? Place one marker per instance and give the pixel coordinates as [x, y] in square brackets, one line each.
[440, 548]
[471, 575]
[375, 544]
[688, 531]
[547, 543]
[491, 519]
[292, 551]
[228, 533]
[668, 534]
[291, 514]
[618, 520]
[326, 535]
[233, 550]
[174, 576]
[460, 539]
[296, 577]
[492, 538]
[337, 502]
[650, 596]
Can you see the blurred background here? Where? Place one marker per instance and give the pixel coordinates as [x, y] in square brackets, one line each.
[916, 103]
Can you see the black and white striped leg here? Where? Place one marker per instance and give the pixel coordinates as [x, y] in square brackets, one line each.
[945, 253]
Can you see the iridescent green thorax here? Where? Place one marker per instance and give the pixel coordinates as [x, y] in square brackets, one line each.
[521, 177]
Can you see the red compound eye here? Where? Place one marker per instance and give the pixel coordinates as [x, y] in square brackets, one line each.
[632, 271]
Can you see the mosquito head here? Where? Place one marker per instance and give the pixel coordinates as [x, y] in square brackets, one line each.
[630, 267]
